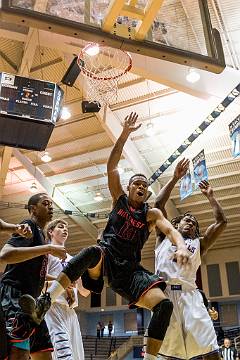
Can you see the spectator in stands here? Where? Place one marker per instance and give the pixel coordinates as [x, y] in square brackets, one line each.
[227, 351]
[98, 329]
[102, 328]
[110, 327]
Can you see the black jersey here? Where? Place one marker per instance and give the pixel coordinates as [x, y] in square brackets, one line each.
[27, 276]
[126, 230]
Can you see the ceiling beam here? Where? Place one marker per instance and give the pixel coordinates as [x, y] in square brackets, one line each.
[13, 35]
[143, 98]
[201, 212]
[8, 61]
[216, 189]
[150, 12]
[58, 197]
[204, 202]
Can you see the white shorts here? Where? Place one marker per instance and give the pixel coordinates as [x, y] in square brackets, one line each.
[64, 329]
[190, 332]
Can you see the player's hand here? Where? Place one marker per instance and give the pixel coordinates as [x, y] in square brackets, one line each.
[181, 168]
[70, 295]
[24, 230]
[213, 313]
[129, 123]
[206, 188]
[73, 285]
[181, 256]
[58, 251]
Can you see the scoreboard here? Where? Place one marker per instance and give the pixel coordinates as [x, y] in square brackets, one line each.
[27, 102]
[29, 98]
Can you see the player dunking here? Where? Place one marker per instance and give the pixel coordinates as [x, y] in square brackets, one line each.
[190, 333]
[119, 250]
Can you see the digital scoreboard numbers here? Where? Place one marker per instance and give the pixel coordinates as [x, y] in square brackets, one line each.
[27, 98]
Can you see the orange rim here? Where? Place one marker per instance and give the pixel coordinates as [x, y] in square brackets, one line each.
[88, 73]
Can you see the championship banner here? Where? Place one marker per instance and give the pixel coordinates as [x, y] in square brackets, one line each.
[234, 129]
[199, 168]
[186, 188]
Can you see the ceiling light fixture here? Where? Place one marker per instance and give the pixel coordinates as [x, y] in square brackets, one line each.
[92, 49]
[65, 113]
[98, 197]
[33, 187]
[150, 131]
[192, 76]
[46, 157]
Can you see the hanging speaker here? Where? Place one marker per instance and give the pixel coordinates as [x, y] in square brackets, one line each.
[90, 107]
[72, 73]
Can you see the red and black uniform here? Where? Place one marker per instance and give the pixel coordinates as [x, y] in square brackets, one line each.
[26, 277]
[122, 241]
[121, 245]
[3, 336]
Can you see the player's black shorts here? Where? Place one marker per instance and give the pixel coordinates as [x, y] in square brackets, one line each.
[19, 327]
[3, 336]
[128, 278]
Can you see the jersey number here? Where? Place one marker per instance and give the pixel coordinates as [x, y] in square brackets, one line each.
[127, 231]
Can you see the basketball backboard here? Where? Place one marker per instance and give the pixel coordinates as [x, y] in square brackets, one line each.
[173, 33]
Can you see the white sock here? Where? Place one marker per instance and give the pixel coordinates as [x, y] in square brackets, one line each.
[149, 357]
[55, 290]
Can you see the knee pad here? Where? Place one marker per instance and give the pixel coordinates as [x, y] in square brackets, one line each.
[160, 319]
[85, 259]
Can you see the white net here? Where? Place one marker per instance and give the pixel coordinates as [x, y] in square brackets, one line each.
[102, 67]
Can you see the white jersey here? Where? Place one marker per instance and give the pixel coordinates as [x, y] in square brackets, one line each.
[190, 333]
[171, 272]
[55, 267]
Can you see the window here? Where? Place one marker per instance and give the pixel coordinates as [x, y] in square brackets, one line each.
[228, 315]
[110, 297]
[214, 280]
[124, 301]
[233, 277]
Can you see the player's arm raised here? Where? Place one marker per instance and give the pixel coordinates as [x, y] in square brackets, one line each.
[114, 184]
[164, 194]
[155, 218]
[214, 230]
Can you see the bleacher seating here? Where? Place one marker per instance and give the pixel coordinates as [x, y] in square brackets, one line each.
[99, 349]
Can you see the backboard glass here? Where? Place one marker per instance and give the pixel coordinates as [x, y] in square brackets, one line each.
[176, 34]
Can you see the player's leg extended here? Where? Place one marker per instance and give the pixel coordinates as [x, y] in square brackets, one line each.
[155, 300]
[90, 257]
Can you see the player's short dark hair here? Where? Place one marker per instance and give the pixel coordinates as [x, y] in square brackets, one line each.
[34, 200]
[53, 224]
[176, 220]
[136, 175]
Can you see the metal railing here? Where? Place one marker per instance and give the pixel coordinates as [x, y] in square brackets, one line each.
[126, 347]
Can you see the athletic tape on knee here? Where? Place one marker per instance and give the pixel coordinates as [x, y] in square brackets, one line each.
[85, 259]
[160, 319]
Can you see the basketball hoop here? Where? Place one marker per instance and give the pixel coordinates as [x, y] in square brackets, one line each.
[102, 67]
